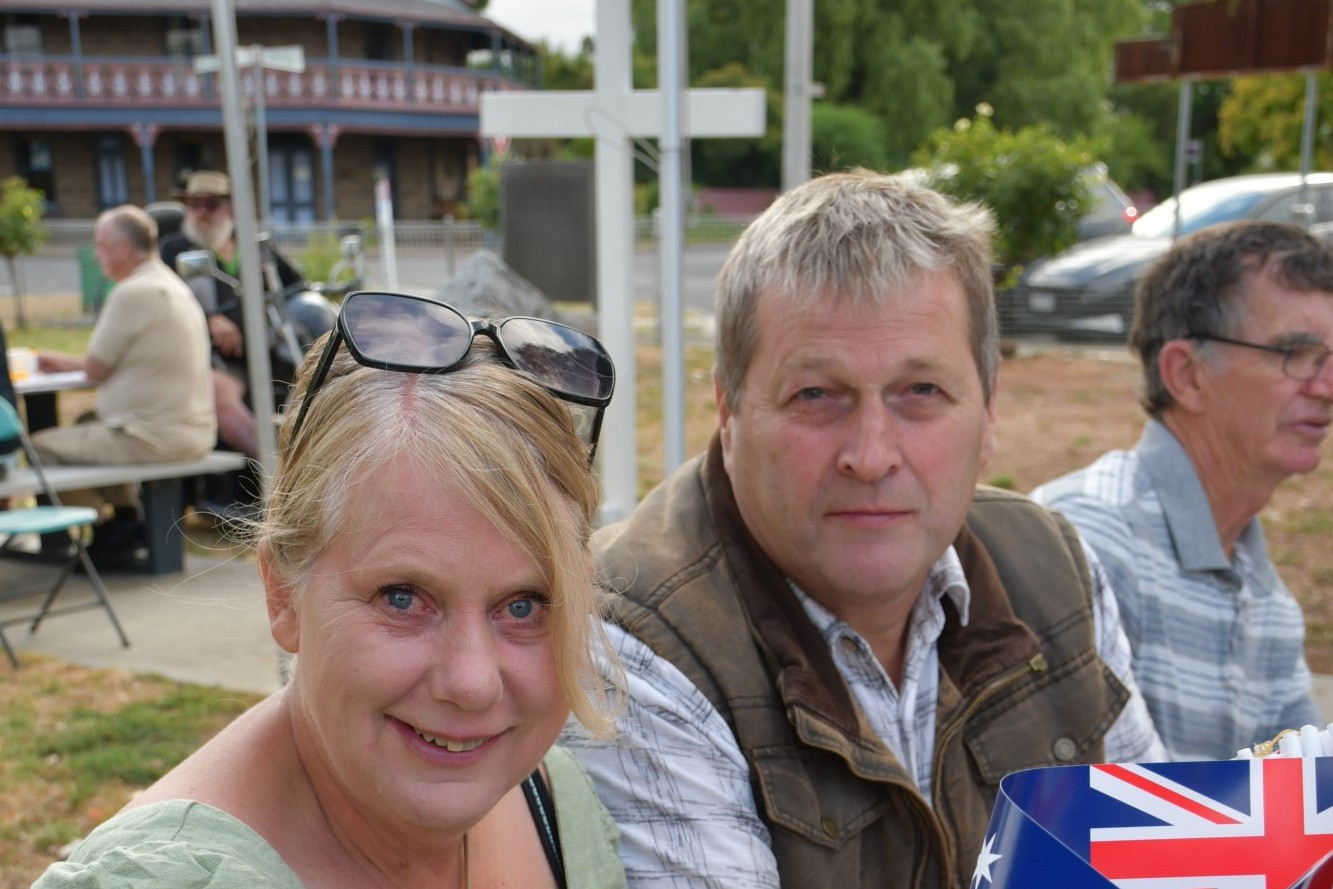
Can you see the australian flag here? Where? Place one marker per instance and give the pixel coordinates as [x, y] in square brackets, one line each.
[1243, 824]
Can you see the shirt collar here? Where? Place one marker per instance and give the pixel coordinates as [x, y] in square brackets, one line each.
[945, 578]
[1189, 516]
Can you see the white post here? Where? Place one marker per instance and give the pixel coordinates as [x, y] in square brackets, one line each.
[247, 246]
[671, 234]
[614, 171]
[1307, 143]
[261, 134]
[384, 222]
[796, 104]
[1183, 112]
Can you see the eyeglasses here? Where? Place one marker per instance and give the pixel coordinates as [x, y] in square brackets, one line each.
[1301, 362]
[412, 334]
[204, 205]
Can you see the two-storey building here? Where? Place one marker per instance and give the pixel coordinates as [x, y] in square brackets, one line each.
[102, 102]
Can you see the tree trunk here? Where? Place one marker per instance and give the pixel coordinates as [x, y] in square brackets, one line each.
[15, 280]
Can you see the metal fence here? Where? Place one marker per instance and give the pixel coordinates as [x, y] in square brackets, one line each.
[444, 234]
[427, 252]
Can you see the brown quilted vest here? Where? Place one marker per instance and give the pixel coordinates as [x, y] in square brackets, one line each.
[1020, 687]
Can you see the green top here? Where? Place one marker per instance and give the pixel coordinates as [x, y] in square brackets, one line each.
[230, 266]
[190, 845]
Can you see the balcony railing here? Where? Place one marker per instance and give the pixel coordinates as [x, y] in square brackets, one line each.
[65, 81]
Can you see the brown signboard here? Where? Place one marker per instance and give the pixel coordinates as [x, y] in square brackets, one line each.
[1138, 60]
[1221, 38]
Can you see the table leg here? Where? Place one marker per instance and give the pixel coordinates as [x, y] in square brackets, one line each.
[162, 502]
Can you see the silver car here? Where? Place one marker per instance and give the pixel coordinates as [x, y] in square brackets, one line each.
[1089, 289]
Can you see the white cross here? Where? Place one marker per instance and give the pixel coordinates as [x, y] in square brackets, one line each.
[614, 113]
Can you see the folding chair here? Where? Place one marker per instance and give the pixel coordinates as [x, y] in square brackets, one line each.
[46, 520]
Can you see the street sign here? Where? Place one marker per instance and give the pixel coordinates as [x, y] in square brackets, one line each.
[281, 58]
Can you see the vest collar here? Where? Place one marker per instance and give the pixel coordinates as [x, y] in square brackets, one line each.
[806, 674]
[989, 646]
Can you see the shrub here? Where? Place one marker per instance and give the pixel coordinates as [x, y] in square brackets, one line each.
[1031, 179]
[22, 231]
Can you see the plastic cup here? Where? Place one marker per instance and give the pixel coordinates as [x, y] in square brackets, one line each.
[22, 363]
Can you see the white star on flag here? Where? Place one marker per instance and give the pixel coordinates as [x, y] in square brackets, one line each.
[985, 858]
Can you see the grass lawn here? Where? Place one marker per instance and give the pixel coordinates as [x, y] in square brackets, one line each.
[76, 743]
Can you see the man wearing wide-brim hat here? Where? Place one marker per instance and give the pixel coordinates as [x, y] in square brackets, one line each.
[208, 224]
[205, 183]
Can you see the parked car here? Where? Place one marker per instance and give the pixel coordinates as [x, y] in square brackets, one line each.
[1088, 290]
[1112, 213]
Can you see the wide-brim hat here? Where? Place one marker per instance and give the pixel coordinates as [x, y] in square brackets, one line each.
[205, 184]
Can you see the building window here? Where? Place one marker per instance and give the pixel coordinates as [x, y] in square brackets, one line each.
[380, 42]
[189, 157]
[185, 37]
[291, 175]
[35, 165]
[113, 186]
[23, 35]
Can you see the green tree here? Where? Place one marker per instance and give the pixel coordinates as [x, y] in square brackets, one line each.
[913, 64]
[1133, 155]
[1263, 116]
[1032, 180]
[1156, 106]
[483, 196]
[566, 72]
[843, 137]
[1042, 61]
[22, 232]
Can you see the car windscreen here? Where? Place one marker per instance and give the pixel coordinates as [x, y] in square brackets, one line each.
[1198, 208]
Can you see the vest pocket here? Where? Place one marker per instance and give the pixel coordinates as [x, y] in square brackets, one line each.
[816, 796]
[1060, 718]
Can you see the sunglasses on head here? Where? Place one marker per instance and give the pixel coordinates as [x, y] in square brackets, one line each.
[413, 334]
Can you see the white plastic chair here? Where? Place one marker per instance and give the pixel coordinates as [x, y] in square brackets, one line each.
[75, 520]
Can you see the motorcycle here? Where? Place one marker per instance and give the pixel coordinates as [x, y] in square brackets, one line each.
[296, 316]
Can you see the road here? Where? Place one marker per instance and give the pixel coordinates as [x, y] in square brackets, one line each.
[420, 270]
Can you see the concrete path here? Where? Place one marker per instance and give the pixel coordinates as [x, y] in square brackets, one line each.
[205, 625]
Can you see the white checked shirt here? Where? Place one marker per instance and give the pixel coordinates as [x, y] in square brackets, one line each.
[675, 779]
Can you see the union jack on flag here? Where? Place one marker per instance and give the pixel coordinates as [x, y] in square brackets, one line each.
[1243, 824]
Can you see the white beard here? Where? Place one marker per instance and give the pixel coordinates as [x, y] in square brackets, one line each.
[214, 236]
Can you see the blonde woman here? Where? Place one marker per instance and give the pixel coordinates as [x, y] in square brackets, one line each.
[424, 556]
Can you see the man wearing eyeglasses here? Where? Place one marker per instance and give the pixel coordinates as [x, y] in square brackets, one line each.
[835, 645]
[209, 225]
[1232, 329]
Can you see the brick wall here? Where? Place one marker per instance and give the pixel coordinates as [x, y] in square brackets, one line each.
[123, 35]
[311, 34]
[431, 172]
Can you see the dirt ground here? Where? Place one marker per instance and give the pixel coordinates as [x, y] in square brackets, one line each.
[1059, 409]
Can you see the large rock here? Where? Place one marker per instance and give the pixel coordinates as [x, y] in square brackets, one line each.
[485, 287]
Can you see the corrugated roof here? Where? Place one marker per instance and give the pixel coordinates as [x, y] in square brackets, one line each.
[444, 12]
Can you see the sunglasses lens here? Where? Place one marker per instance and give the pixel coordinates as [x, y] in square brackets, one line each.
[403, 332]
[560, 357]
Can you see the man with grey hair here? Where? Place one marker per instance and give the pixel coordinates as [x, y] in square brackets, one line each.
[149, 356]
[1232, 328]
[835, 645]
